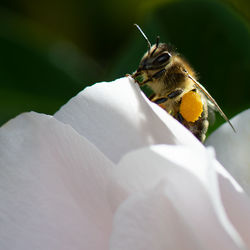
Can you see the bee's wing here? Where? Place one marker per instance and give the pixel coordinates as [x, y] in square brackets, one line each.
[211, 99]
[211, 112]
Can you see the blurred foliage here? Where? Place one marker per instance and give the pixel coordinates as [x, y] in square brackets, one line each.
[50, 50]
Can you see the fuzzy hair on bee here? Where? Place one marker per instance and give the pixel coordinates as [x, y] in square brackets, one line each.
[175, 87]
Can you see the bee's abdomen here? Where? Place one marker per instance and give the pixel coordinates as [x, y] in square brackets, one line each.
[200, 127]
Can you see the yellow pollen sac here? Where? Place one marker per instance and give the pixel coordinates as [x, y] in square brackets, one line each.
[191, 106]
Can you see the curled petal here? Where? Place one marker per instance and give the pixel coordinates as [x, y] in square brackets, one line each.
[118, 118]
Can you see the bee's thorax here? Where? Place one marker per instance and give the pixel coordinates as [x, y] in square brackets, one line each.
[174, 77]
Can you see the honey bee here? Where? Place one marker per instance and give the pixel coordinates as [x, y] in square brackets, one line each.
[175, 88]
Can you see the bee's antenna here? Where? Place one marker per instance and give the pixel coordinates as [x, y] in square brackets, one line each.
[149, 44]
[156, 45]
[157, 41]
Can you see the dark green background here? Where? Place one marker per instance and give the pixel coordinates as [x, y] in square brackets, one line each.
[50, 50]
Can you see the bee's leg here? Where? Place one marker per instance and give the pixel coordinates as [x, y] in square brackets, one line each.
[160, 100]
[147, 80]
[136, 73]
[129, 75]
[179, 117]
[175, 93]
[151, 97]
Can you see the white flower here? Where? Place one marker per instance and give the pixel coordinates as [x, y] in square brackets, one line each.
[113, 171]
[233, 149]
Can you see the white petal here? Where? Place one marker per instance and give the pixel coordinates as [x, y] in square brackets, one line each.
[159, 219]
[193, 193]
[236, 203]
[150, 221]
[52, 187]
[233, 149]
[118, 118]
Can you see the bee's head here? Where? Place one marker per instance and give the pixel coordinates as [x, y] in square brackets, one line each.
[155, 59]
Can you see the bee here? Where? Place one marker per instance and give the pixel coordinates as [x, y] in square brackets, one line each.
[175, 88]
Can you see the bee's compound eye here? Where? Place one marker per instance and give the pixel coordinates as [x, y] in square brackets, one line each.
[163, 58]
